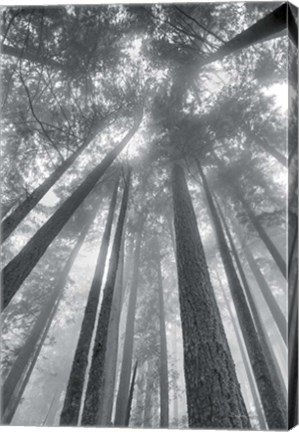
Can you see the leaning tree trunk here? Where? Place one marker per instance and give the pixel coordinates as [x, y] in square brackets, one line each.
[17, 270]
[71, 407]
[275, 310]
[281, 264]
[10, 223]
[131, 393]
[96, 379]
[106, 404]
[126, 366]
[245, 360]
[270, 356]
[275, 416]
[164, 392]
[267, 28]
[15, 383]
[214, 397]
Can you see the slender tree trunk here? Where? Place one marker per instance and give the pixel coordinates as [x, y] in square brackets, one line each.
[281, 264]
[10, 223]
[164, 393]
[246, 362]
[96, 379]
[124, 380]
[148, 399]
[214, 397]
[18, 377]
[21, 54]
[71, 407]
[17, 270]
[272, 151]
[112, 345]
[175, 380]
[275, 416]
[266, 292]
[131, 393]
[270, 356]
[139, 398]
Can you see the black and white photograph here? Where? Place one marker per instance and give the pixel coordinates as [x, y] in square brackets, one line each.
[149, 215]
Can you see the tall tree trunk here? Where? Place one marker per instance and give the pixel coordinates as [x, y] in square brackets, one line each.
[71, 407]
[106, 404]
[281, 264]
[164, 393]
[131, 393]
[96, 379]
[147, 413]
[269, 27]
[245, 360]
[275, 416]
[175, 380]
[10, 223]
[124, 380]
[266, 292]
[139, 397]
[18, 377]
[270, 356]
[214, 397]
[17, 270]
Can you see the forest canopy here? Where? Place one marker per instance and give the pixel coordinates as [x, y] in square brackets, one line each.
[148, 214]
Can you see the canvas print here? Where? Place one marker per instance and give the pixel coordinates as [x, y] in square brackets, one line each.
[149, 215]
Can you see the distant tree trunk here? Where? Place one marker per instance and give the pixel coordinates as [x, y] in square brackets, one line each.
[96, 379]
[246, 362]
[281, 264]
[175, 380]
[270, 356]
[139, 399]
[18, 377]
[17, 270]
[272, 151]
[15, 218]
[164, 393]
[106, 404]
[266, 292]
[131, 393]
[21, 54]
[71, 407]
[214, 397]
[124, 380]
[147, 413]
[275, 416]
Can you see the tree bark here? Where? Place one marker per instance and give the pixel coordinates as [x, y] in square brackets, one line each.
[275, 416]
[10, 223]
[18, 377]
[214, 397]
[124, 380]
[270, 356]
[106, 404]
[131, 393]
[147, 413]
[245, 360]
[17, 270]
[164, 392]
[71, 407]
[96, 379]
